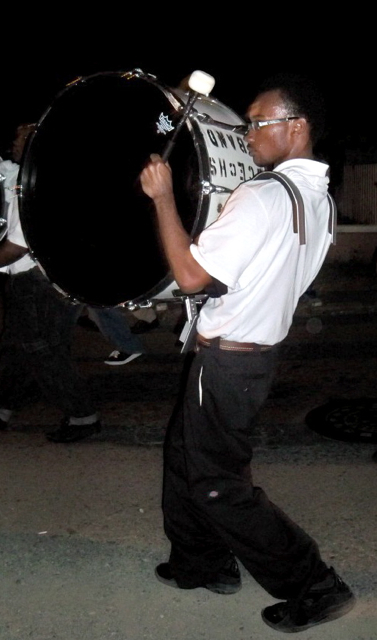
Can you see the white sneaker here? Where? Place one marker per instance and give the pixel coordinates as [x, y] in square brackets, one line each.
[119, 357]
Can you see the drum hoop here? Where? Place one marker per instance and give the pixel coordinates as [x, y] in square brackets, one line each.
[25, 168]
[28, 168]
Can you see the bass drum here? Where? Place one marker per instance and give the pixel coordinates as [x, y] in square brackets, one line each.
[85, 218]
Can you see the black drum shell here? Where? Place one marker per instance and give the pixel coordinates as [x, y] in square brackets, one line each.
[85, 218]
[83, 212]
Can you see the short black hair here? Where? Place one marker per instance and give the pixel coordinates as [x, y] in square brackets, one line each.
[302, 97]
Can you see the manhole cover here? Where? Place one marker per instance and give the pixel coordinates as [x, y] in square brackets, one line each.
[348, 420]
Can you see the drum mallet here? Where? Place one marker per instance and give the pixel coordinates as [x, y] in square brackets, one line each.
[199, 82]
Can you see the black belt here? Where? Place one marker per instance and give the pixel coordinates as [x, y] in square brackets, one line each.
[231, 345]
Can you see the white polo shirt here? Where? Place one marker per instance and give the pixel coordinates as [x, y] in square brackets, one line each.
[253, 250]
[9, 171]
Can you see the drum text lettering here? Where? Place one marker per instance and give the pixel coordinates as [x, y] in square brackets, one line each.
[242, 145]
[218, 139]
[221, 168]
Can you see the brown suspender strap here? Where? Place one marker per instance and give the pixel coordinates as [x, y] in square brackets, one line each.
[296, 199]
[298, 204]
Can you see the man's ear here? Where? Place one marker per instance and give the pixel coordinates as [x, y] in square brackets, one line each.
[300, 126]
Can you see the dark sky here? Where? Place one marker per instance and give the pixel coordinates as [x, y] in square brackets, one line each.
[46, 58]
[31, 88]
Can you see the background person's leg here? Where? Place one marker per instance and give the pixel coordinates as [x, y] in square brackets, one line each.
[113, 324]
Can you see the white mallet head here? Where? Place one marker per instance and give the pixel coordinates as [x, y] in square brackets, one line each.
[201, 82]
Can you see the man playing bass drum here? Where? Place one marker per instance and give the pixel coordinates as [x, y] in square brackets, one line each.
[212, 512]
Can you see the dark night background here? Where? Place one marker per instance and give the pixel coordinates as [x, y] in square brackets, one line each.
[45, 53]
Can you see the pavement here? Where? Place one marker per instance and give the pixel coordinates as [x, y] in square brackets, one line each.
[80, 525]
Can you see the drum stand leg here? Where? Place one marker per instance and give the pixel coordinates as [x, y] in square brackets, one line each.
[188, 334]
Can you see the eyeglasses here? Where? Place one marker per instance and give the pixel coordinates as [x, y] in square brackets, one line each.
[255, 125]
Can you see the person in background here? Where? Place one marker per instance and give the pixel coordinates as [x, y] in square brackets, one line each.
[111, 321]
[8, 177]
[38, 323]
[256, 269]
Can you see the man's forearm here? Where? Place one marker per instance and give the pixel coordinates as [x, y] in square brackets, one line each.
[156, 181]
[187, 272]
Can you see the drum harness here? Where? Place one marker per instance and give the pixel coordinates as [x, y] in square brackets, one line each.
[188, 335]
[3, 208]
[298, 209]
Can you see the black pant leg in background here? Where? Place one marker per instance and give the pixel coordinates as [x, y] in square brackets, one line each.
[35, 348]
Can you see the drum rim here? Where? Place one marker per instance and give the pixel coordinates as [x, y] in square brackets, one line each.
[196, 132]
[27, 166]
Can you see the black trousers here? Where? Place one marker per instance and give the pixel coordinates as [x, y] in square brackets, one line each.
[35, 358]
[210, 506]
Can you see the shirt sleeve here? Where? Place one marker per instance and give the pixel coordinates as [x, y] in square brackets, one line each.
[228, 245]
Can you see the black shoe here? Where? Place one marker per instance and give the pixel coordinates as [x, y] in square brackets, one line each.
[374, 456]
[141, 326]
[73, 432]
[226, 581]
[3, 425]
[325, 601]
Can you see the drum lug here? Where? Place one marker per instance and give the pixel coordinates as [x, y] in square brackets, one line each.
[209, 188]
[133, 306]
[138, 73]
